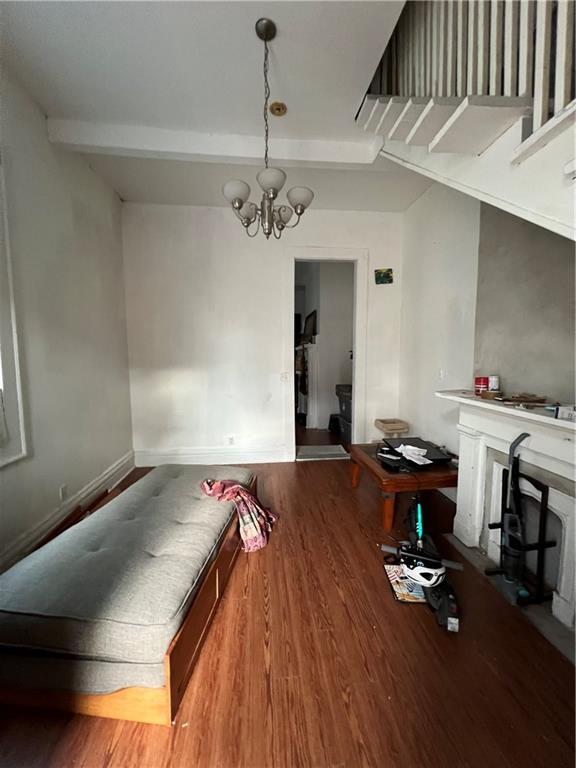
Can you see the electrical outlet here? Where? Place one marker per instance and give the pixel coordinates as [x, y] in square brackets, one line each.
[63, 492]
[231, 440]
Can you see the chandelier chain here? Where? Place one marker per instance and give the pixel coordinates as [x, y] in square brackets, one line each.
[266, 99]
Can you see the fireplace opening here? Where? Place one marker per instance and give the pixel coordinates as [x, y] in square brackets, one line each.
[553, 532]
[560, 561]
[531, 545]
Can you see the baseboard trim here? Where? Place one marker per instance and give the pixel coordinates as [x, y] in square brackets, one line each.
[155, 456]
[106, 480]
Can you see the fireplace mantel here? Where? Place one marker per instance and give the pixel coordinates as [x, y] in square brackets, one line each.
[527, 414]
[551, 446]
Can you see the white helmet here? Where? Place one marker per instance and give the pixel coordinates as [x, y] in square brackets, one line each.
[424, 568]
[424, 575]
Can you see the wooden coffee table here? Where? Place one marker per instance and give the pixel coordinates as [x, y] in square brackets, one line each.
[391, 483]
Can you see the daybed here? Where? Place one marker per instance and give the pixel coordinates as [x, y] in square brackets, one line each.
[108, 617]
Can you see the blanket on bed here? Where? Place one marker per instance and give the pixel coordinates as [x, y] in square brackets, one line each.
[254, 521]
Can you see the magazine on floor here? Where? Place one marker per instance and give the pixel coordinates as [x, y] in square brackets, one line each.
[404, 589]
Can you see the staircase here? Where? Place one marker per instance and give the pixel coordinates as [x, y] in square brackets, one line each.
[458, 74]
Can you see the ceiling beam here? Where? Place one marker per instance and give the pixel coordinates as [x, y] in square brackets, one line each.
[144, 141]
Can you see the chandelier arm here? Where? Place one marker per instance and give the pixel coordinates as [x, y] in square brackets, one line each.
[291, 226]
[256, 230]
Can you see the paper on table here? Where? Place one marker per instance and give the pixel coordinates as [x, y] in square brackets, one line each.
[414, 454]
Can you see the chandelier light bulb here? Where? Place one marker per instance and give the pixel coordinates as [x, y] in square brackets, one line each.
[300, 196]
[284, 213]
[236, 190]
[271, 179]
[248, 211]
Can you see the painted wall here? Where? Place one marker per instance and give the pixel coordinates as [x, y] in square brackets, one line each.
[335, 337]
[206, 328]
[440, 265]
[65, 234]
[525, 310]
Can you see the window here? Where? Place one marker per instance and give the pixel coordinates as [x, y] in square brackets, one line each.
[12, 438]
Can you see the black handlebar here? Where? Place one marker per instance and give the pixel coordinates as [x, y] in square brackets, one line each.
[446, 563]
[387, 548]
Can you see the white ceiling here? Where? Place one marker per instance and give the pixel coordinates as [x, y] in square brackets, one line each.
[383, 187]
[198, 65]
[167, 96]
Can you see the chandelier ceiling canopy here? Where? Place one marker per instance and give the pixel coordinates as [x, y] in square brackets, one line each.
[270, 217]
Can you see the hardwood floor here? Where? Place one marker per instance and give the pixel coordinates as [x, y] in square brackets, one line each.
[315, 436]
[310, 662]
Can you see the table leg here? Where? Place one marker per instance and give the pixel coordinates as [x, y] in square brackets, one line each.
[388, 501]
[355, 470]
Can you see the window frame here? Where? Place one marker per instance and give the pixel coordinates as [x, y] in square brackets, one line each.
[16, 448]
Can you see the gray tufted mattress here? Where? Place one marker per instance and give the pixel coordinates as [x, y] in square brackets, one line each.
[95, 609]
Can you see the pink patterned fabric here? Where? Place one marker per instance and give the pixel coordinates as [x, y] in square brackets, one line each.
[254, 521]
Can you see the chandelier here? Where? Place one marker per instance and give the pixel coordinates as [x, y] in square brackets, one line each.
[270, 217]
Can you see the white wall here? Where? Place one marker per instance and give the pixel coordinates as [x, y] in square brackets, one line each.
[65, 233]
[207, 322]
[335, 337]
[440, 270]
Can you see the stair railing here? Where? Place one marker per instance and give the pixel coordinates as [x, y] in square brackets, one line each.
[509, 48]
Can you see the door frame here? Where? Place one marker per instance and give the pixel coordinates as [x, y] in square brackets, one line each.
[359, 257]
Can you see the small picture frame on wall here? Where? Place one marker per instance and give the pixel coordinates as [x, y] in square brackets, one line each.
[383, 276]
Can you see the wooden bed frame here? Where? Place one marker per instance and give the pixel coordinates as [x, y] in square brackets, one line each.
[148, 705]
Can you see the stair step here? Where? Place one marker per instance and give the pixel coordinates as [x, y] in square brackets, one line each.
[431, 119]
[377, 113]
[391, 114]
[406, 119]
[563, 120]
[478, 122]
[366, 110]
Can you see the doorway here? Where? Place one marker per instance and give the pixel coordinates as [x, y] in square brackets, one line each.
[357, 258]
[323, 356]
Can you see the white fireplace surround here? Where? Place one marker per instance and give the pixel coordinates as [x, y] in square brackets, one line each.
[484, 424]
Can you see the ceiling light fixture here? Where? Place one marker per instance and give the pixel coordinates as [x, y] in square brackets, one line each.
[270, 216]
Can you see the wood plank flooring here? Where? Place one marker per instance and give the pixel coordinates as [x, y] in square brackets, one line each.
[306, 436]
[310, 662]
